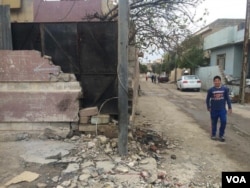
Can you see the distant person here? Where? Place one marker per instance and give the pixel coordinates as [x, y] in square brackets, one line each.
[155, 77]
[147, 76]
[152, 78]
[217, 97]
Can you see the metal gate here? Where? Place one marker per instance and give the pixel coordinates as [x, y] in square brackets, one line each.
[88, 50]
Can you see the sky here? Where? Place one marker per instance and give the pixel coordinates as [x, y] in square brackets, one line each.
[217, 9]
[223, 9]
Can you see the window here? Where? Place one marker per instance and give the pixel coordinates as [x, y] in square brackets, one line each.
[221, 59]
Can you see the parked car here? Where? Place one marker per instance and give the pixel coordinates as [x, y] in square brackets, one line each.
[230, 80]
[162, 79]
[189, 82]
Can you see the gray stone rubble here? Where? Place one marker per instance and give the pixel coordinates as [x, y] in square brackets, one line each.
[94, 162]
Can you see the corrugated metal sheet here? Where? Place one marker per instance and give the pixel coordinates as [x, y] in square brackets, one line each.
[5, 28]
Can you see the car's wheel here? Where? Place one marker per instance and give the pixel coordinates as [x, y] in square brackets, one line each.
[198, 90]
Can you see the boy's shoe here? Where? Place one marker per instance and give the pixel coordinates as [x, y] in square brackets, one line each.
[222, 139]
[213, 137]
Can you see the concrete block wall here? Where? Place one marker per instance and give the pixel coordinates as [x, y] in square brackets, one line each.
[206, 74]
[178, 73]
[34, 90]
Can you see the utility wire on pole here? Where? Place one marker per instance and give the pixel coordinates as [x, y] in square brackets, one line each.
[245, 56]
[123, 31]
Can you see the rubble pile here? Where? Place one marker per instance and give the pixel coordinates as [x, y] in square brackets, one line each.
[94, 162]
[83, 160]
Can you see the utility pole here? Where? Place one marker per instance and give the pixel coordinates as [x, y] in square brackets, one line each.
[123, 33]
[245, 56]
[175, 67]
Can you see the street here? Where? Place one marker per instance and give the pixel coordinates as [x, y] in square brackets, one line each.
[182, 118]
[237, 131]
[189, 157]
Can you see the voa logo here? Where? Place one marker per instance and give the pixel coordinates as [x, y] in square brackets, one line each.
[236, 179]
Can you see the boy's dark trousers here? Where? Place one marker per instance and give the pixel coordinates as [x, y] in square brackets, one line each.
[215, 115]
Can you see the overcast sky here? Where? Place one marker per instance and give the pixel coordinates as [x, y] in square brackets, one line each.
[223, 9]
[217, 9]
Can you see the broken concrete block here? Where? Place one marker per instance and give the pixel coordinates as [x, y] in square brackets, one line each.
[100, 119]
[26, 65]
[90, 111]
[84, 119]
[25, 176]
[29, 94]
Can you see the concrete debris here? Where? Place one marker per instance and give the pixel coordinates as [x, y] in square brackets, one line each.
[50, 134]
[71, 168]
[23, 136]
[55, 179]
[90, 111]
[89, 161]
[24, 176]
[14, 136]
[90, 165]
[50, 153]
[41, 185]
[100, 119]
[173, 157]
[85, 114]
[149, 137]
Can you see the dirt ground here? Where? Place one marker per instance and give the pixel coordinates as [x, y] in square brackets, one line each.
[183, 120]
[191, 158]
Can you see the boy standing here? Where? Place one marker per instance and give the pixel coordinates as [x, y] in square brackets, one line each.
[217, 97]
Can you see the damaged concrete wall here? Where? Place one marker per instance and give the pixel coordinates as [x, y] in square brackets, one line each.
[33, 89]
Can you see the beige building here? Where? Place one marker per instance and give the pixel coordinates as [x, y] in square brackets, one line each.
[55, 11]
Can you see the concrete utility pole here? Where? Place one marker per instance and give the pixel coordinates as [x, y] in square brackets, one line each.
[123, 31]
[245, 56]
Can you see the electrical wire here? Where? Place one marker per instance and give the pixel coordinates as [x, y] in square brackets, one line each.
[38, 9]
[61, 19]
[107, 100]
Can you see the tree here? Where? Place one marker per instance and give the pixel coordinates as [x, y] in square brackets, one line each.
[157, 24]
[169, 62]
[143, 68]
[156, 68]
[190, 53]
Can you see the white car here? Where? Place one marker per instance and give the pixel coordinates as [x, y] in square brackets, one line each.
[189, 82]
